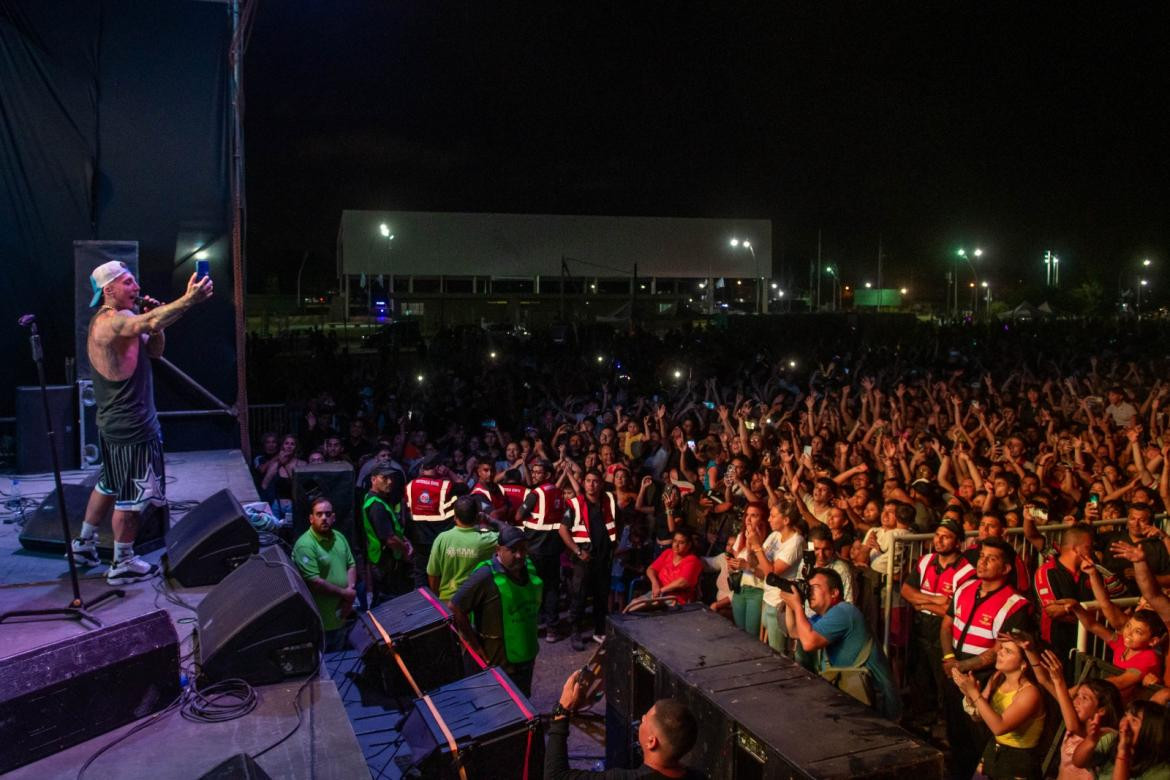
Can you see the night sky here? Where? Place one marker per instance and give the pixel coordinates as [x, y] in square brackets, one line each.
[1015, 130]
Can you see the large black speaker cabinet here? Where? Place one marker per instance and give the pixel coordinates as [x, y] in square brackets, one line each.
[420, 633]
[260, 624]
[74, 689]
[733, 685]
[42, 529]
[32, 441]
[210, 542]
[88, 255]
[334, 481]
[495, 728]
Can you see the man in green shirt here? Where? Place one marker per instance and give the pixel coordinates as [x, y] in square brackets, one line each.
[457, 551]
[325, 561]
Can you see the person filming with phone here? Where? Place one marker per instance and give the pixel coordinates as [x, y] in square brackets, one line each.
[666, 733]
[126, 330]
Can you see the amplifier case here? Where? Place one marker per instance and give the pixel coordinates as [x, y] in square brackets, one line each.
[760, 715]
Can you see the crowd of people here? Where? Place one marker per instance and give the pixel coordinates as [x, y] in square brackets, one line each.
[772, 484]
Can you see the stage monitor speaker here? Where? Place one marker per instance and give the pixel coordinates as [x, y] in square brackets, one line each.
[420, 633]
[74, 689]
[494, 726]
[334, 481]
[260, 624]
[210, 542]
[42, 529]
[32, 441]
[88, 255]
[241, 766]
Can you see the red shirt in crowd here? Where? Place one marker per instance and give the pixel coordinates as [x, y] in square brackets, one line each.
[1146, 661]
[689, 568]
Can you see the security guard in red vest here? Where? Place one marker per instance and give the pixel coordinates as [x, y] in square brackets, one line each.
[493, 504]
[589, 530]
[503, 596]
[541, 514]
[930, 590]
[982, 609]
[430, 498]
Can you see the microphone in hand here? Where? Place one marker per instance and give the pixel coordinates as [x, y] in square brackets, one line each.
[146, 303]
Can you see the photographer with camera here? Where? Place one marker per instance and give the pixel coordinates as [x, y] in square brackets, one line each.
[851, 657]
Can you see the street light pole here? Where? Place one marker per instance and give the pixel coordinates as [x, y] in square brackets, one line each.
[759, 282]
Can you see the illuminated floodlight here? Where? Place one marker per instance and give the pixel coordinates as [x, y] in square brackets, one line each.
[792, 364]
[420, 378]
[385, 230]
[735, 242]
[978, 252]
[904, 290]
[677, 374]
[492, 355]
[868, 285]
[601, 358]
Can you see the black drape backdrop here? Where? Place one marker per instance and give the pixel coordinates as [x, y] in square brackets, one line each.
[114, 120]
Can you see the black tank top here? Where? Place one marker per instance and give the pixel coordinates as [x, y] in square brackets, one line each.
[125, 409]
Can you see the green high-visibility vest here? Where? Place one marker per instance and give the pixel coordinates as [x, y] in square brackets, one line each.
[373, 543]
[520, 606]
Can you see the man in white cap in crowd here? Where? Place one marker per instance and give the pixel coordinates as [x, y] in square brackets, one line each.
[124, 332]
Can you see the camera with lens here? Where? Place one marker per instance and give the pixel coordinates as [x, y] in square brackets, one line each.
[800, 587]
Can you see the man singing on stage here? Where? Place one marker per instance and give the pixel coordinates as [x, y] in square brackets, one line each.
[132, 474]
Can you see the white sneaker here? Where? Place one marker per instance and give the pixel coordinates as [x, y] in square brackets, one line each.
[128, 570]
[85, 552]
[599, 638]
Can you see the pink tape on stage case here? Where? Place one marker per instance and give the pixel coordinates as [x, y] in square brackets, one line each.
[496, 673]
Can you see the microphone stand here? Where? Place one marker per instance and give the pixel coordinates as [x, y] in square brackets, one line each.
[78, 608]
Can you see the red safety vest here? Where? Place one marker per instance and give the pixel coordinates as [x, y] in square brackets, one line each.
[514, 495]
[580, 529]
[494, 497]
[933, 582]
[549, 509]
[976, 627]
[429, 499]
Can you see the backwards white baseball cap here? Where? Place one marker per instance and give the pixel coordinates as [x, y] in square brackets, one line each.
[103, 275]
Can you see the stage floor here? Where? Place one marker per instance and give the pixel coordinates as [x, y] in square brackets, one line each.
[29, 580]
[323, 746]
